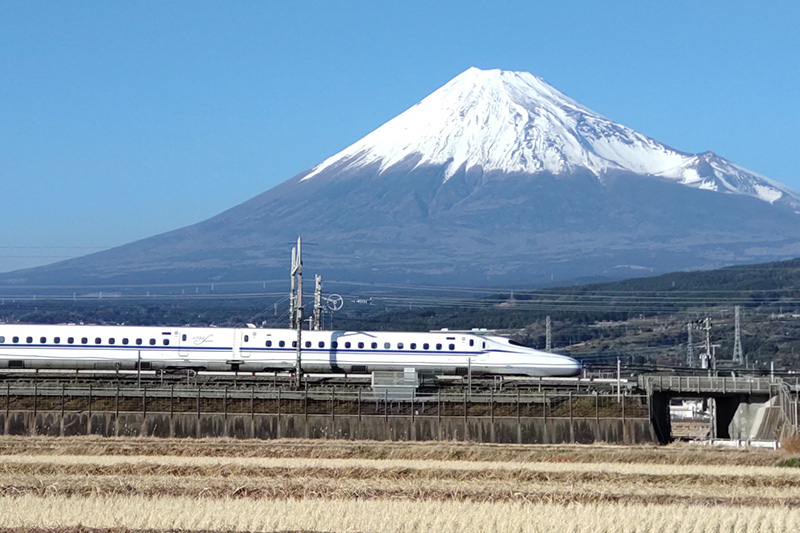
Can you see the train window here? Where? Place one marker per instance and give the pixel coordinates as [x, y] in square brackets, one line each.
[399, 345]
[484, 345]
[321, 344]
[374, 345]
[472, 342]
[334, 344]
[125, 340]
[308, 344]
[84, 340]
[294, 344]
[97, 340]
[166, 342]
[438, 346]
[2, 339]
[152, 342]
[111, 340]
[246, 338]
[29, 340]
[413, 345]
[387, 345]
[183, 337]
[70, 340]
[360, 344]
[43, 340]
[269, 344]
[139, 342]
[282, 344]
[15, 340]
[347, 345]
[452, 346]
[426, 346]
[57, 340]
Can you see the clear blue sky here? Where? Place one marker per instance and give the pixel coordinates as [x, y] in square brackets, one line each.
[120, 120]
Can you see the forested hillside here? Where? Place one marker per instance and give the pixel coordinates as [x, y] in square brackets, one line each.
[642, 320]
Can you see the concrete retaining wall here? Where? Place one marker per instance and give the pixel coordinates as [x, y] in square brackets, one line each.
[264, 426]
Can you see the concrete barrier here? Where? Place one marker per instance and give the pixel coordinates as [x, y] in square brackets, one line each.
[515, 430]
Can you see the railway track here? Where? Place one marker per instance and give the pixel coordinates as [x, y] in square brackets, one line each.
[285, 381]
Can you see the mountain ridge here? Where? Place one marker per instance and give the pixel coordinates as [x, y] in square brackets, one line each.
[525, 125]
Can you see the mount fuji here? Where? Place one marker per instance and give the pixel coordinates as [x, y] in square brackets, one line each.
[514, 122]
[494, 179]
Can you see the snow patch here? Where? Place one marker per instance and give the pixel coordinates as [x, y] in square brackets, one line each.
[768, 194]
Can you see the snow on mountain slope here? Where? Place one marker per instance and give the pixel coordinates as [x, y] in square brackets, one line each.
[514, 122]
[711, 172]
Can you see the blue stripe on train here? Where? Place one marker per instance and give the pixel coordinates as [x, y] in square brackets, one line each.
[230, 349]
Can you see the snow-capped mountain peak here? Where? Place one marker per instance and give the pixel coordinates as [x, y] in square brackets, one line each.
[515, 122]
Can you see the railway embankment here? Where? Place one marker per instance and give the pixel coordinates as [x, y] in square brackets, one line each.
[253, 413]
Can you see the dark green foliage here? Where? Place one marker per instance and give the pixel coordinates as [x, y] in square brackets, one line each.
[642, 320]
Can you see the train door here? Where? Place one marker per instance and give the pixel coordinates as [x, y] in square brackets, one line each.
[183, 344]
[480, 354]
[244, 338]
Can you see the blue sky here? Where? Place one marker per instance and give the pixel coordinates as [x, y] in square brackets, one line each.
[120, 120]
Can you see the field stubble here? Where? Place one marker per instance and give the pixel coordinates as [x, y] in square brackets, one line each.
[220, 485]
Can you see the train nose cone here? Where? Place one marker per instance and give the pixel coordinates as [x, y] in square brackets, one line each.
[572, 367]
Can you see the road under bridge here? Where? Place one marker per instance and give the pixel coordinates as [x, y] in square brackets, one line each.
[743, 408]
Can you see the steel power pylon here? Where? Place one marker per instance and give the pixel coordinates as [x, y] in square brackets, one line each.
[548, 343]
[738, 353]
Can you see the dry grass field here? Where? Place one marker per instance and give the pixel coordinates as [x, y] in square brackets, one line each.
[85, 484]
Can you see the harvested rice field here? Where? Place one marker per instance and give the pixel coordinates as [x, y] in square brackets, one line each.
[91, 484]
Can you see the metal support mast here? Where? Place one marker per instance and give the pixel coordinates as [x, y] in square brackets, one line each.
[292, 291]
[297, 273]
[689, 347]
[548, 343]
[317, 322]
[738, 354]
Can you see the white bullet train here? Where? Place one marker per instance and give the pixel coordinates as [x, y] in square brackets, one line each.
[257, 350]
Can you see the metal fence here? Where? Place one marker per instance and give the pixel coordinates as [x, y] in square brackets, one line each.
[261, 401]
[707, 384]
[790, 408]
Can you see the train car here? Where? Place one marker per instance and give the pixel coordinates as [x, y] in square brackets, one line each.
[71, 346]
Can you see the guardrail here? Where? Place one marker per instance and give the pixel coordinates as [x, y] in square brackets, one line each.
[789, 408]
[707, 384]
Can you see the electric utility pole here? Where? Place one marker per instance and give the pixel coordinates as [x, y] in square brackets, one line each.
[707, 358]
[293, 290]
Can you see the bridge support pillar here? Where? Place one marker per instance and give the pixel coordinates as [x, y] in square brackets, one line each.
[659, 417]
